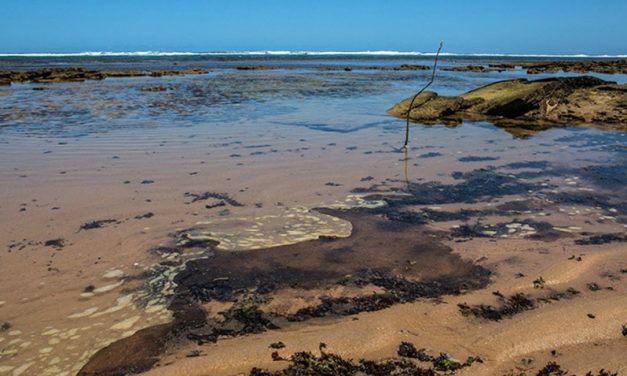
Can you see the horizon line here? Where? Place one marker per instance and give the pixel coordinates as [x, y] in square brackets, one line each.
[290, 53]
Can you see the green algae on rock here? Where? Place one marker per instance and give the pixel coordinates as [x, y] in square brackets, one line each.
[528, 105]
[582, 66]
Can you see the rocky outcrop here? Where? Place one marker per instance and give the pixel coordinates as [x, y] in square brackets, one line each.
[78, 74]
[578, 66]
[154, 88]
[531, 105]
[479, 68]
[535, 67]
[255, 67]
[335, 68]
[403, 67]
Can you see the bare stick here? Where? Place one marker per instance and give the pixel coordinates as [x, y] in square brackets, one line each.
[411, 104]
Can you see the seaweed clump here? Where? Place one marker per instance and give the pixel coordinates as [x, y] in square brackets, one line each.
[224, 197]
[55, 243]
[97, 224]
[554, 369]
[396, 290]
[243, 318]
[509, 307]
[443, 362]
[514, 304]
[602, 239]
[305, 363]
[327, 364]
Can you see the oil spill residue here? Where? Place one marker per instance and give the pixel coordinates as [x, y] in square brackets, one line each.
[406, 262]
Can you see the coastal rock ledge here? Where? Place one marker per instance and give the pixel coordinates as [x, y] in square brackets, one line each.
[530, 105]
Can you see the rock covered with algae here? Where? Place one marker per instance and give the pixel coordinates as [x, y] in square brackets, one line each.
[531, 105]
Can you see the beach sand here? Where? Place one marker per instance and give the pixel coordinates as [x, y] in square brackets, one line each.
[97, 228]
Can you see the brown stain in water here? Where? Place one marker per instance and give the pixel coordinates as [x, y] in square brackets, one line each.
[407, 253]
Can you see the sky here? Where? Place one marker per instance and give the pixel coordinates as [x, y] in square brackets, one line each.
[470, 26]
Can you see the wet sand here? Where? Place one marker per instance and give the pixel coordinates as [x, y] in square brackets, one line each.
[468, 199]
[582, 344]
[53, 311]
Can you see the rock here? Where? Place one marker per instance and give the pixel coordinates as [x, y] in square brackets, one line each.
[469, 68]
[154, 88]
[529, 105]
[3, 94]
[5, 78]
[578, 66]
[428, 106]
[79, 74]
[502, 66]
[255, 67]
[335, 68]
[412, 67]
[496, 67]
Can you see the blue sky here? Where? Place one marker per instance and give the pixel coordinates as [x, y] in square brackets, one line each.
[530, 26]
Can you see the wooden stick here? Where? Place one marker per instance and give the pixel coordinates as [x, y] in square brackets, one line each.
[435, 64]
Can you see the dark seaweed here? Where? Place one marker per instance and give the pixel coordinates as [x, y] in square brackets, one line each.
[218, 196]
[472, 158]
[97, 224]
[55, 243]
[145, 216]
[277, 345]
[509, 307]
[327, 364]
[602, 239]
[552, 369]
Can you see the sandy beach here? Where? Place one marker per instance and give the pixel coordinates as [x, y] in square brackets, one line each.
[190, 229]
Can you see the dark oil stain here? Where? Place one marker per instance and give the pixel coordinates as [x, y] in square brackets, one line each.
[408, 263]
